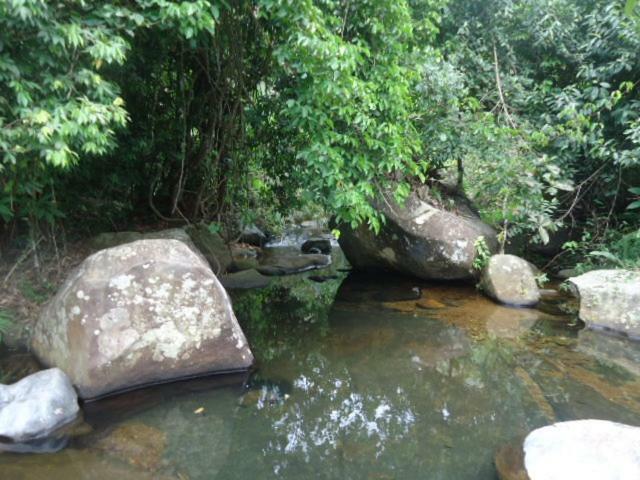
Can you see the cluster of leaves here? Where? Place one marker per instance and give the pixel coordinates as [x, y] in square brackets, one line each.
[240, 111]
[58, 101]
[549, 107]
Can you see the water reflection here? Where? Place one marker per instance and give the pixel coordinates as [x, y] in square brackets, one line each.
[368, 378]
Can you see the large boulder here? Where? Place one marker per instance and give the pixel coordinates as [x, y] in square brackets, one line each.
[137, 314]
[423, 238]
[36, 406]
[610, 299]
[584, 449]
[199, 238]
[510, 280]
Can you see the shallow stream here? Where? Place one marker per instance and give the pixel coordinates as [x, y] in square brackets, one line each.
[357, 377]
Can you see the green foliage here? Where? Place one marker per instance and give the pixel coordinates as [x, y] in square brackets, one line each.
[242, 112]
[58, 101]
[6, 322]
[483, 253]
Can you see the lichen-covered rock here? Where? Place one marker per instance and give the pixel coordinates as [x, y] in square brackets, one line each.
[510, 280]
[141, 313]
[36, 406]
[584, 449]
[420, 238]
[610, 299]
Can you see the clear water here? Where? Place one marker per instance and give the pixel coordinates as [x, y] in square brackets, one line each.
[358, 377]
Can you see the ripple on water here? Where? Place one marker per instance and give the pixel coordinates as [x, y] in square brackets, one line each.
[375, 378]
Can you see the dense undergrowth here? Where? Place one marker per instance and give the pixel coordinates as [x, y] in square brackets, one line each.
[129, 115]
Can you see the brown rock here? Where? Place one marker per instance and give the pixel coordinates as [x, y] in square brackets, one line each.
[421, 239]
[509, 462]
[137, 314]
[135, 443]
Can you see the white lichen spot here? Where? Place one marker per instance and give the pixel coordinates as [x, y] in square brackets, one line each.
[96, 332]
[121, 282]
[80, 294]
[75, 310]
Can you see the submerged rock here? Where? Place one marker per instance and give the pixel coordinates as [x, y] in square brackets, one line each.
[510, 280]
[317, 245]
[141, 313]
[509, 463]
[35, 407]
[421, 238]
[584, 449]
[610, 299]
[136, 444]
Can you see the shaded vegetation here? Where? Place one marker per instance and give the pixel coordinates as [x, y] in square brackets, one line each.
[116, 115]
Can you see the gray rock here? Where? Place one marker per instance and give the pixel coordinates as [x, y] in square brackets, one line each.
[566, 273]
[290, 264]
[253, 236]
[317, 245]
[610, 349]
[421, 238]
[510, 280]
[245, 279]
[610, 299]
[37, 406]
[198, 238]
[583, 449]
[212, 246]
[141, 313]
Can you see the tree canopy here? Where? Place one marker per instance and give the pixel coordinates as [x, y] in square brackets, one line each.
[240, 111]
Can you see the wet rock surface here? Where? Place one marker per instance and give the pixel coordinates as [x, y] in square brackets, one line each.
[141, 313]
[35, 407]
[420, 239]
[253, 236]
[135, 443]
[610, 299]
[287, 264]
[510, 280]
[317, 245]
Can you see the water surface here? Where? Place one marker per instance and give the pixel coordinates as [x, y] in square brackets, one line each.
[359, 377]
